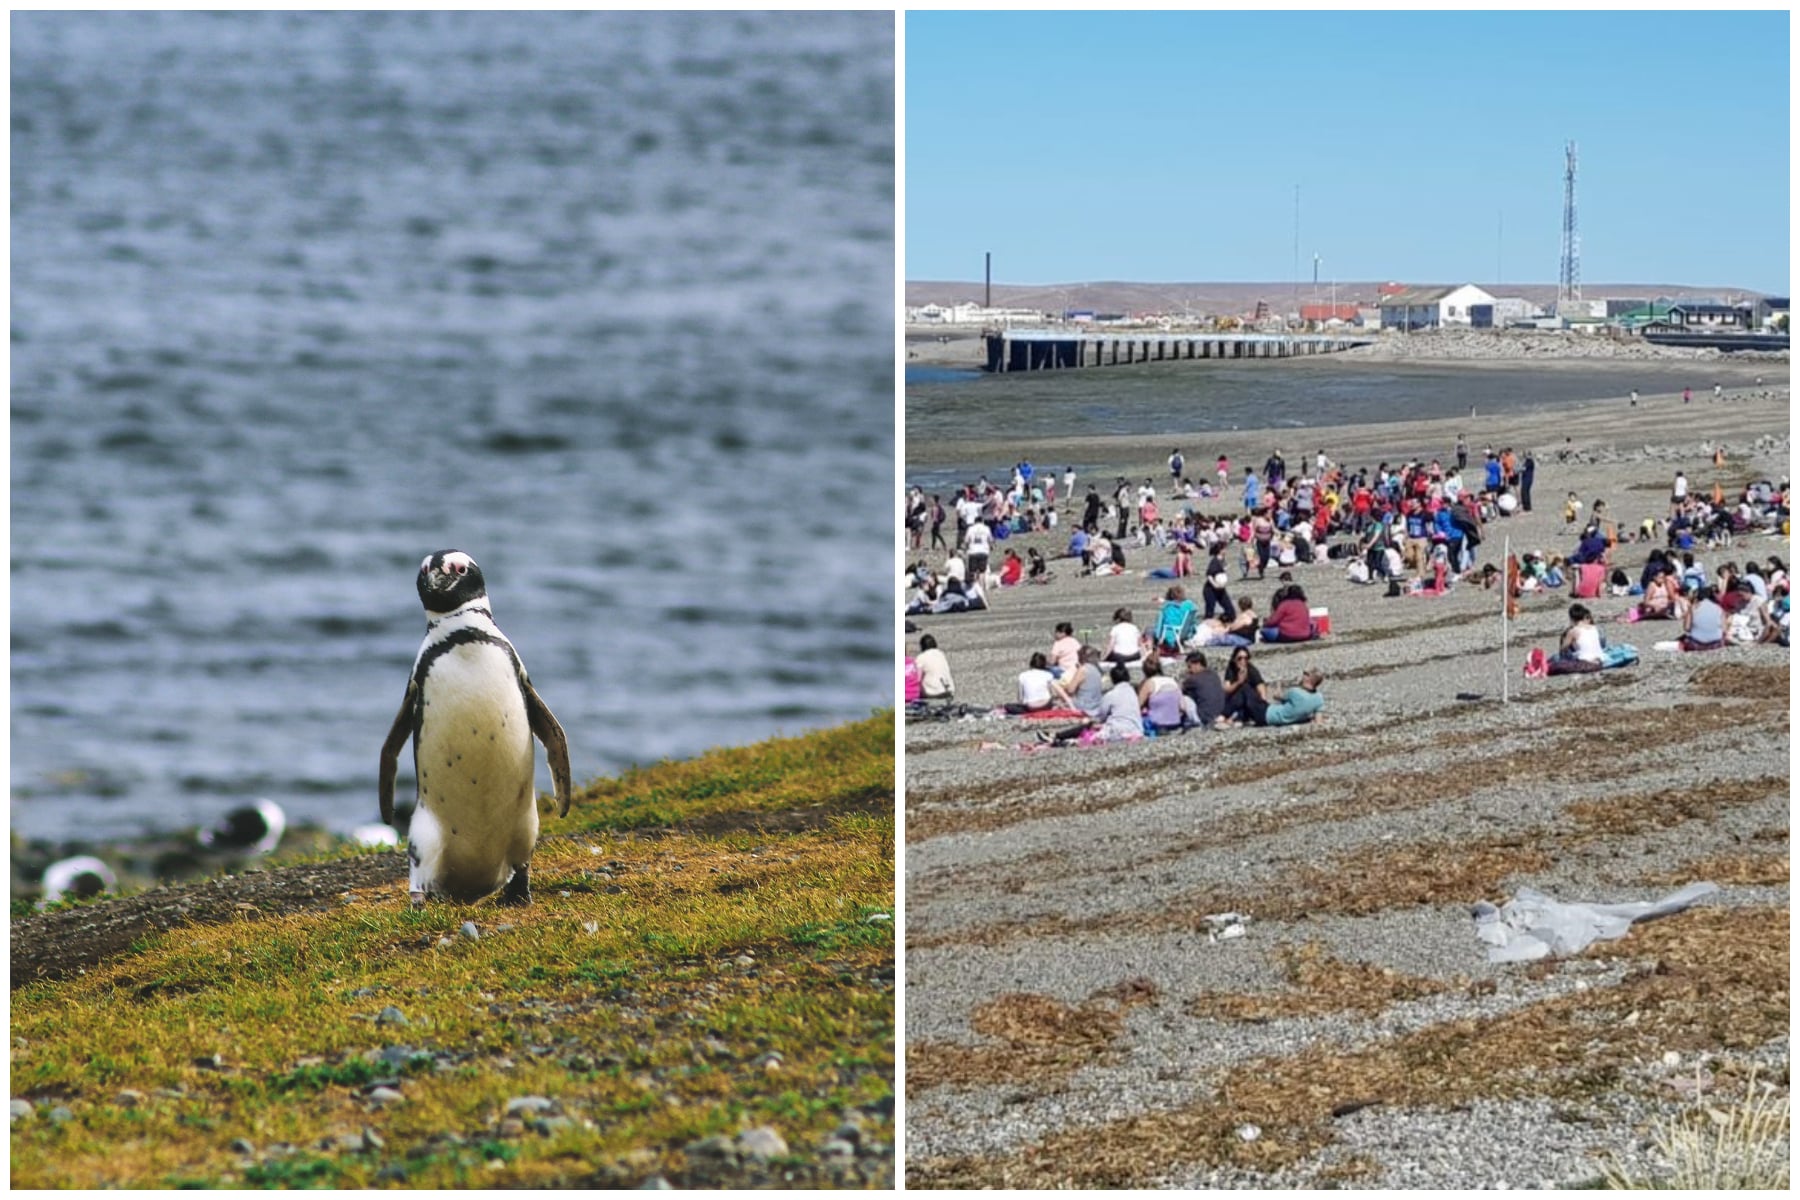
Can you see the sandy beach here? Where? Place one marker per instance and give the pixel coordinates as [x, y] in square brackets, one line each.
[1071, 1023]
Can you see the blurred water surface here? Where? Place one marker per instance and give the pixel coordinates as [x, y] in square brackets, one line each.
[603, 299]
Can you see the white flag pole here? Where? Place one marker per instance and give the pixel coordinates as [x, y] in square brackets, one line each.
[1505, 603]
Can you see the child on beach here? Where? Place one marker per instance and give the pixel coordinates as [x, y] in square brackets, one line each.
[1571, 510]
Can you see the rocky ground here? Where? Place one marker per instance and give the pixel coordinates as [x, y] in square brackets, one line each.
[1074, 1020]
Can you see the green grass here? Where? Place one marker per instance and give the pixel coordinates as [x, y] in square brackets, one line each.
[646, 1029]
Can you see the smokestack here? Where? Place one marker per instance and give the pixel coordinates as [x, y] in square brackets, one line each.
[987, 296]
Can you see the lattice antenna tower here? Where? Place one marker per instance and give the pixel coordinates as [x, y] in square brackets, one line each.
[1568, 285]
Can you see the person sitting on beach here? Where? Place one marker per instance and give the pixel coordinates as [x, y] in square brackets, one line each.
[1174, 621]
[1298, 705]
[1184, 564]
[1065, 650]
[1592, 547]
[1775, 616]
[1246, 699]
[1118, 719]
[1246, 623]
[1290, 620]
[935, 683]
[1034, 686]
[1571, 510]
[1084, 687]
[1039, 570]
[1662, 599]
[1581, 649]
[1125, 641]
[1744, 626]
[1204, 690]
[1160, 699]
[1012, 569]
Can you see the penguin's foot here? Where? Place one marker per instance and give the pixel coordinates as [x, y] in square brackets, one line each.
[518, 888]
[418, 899]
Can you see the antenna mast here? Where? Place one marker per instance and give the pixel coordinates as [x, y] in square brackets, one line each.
[1568, 286]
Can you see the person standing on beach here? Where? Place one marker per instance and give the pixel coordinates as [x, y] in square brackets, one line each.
[1224, 472]
[937, 522]
[1090, 513]
[1122, 499]
[1687, 395]
[1634, 397]
[1176, 465]
[1069, 484]
[978, 542]
[1251, 488]
[1718, 391]
[1678, 494]
[1218, 578]
[1462, 452]
[1527, 473]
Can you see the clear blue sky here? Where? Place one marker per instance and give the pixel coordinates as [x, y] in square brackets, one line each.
[1428, 147]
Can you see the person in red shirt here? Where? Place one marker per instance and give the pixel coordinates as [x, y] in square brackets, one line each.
[1290, 620]
[1012, 570]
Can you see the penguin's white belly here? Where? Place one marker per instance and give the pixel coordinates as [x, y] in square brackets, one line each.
[477, 816]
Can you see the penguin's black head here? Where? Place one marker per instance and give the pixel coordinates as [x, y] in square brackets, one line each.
[448, 580]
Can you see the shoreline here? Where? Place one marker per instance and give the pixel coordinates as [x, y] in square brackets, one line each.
[961, 346]
[1600, 424]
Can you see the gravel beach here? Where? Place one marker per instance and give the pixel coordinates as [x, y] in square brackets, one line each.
[1071, 1020]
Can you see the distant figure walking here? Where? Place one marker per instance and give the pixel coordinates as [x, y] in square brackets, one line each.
[1687, 395]
[1462, 452]
[1634, 397]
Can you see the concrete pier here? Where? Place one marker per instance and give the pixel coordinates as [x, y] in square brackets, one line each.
[1050, 349]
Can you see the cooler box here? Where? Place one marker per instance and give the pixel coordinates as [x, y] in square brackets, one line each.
[1321, 618]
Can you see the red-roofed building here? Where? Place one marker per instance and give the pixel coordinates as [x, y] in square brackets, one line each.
[1328, 312]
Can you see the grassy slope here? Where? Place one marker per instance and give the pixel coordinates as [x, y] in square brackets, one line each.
[621, 993]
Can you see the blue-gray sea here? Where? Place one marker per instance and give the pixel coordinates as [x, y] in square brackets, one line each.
[603, 299]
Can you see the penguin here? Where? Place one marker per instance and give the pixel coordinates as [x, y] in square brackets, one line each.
[470, 712]
[81, 877]
[252, 829]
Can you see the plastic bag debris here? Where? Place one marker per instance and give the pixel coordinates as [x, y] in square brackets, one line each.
[1224, 926]
[1532, 925]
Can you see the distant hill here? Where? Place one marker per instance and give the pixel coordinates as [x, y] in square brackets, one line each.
[1234, 298]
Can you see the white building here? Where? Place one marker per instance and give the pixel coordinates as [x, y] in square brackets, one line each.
[1430, 308]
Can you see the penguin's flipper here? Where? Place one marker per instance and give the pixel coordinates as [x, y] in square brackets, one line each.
[545, 727]
[390, 750]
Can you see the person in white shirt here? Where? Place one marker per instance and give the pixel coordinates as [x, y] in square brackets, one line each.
[934, 671]
[978, 541]
[1125, 642]
[1034, 686]
[1581, 641]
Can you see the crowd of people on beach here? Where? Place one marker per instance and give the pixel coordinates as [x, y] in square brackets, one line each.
[1415, 526]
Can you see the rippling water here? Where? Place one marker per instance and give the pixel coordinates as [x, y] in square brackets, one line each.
[603, 299]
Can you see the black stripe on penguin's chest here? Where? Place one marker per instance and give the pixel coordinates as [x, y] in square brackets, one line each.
[462, 637]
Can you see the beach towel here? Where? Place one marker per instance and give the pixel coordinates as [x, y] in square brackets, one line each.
[1055, 714]
[1618, 656]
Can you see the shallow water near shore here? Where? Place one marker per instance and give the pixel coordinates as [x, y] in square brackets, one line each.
[1197, 398]
[299, 298]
